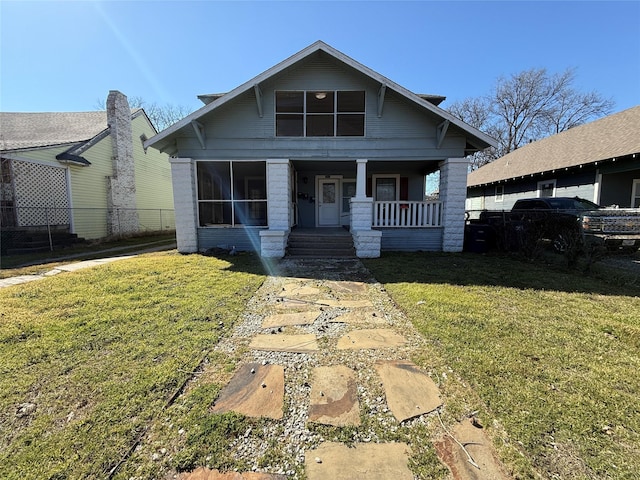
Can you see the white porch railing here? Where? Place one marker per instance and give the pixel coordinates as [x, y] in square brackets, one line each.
[405, 214]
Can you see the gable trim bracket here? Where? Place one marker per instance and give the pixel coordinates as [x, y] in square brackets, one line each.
[381, 93]
[441, 132]
[199, 129]
[258, 92]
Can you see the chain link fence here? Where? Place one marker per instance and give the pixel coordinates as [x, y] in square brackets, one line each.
[31, 229]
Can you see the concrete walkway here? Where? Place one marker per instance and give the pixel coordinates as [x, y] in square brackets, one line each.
[71, 267]
[328, 348]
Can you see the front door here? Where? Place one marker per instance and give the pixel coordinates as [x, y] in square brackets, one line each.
[329, 202]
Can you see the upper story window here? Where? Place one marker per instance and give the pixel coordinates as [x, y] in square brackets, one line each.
[320, 113]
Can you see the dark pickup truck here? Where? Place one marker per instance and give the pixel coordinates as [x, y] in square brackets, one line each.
[563, 221]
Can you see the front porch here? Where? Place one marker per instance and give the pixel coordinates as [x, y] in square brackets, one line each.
[381, 204]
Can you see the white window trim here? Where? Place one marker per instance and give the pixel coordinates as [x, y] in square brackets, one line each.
[635, 190]
[545, 182]
[373, 185]
[499, 198]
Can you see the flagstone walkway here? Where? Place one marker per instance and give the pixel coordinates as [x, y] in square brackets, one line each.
[326, 346]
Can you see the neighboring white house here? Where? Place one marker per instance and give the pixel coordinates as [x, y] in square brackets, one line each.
[319, 140]
[599, 161]
[84, 173]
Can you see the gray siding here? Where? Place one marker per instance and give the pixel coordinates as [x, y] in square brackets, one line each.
[404, 131]
[411, 240]
[617, 182]
[244, 239]
[580, 184]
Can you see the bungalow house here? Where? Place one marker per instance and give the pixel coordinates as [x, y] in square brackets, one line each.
[86, 173]
[319, 141]
[599, 161]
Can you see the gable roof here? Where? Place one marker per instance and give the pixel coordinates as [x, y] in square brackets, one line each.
[29, 130]
[613, 136]
[163, 139]
[79, 130]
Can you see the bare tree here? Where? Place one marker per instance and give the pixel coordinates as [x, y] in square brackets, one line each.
[162, 116]
[528, 106]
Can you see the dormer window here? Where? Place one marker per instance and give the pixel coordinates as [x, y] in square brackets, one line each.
[320, 113]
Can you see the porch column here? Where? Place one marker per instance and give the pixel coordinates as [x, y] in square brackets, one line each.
[273, 241]
[453, 193]
[361, 178]
[185, 204]
[365, 240]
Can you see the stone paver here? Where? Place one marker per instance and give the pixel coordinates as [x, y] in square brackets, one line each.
[410, 392]
[347, 287]
[297, 305]
[360, 316]
[303, 343]
[289, 319]
[203, 473]
[335, 461]
[370, 338]
[346, 303]
[479, 447]
[334, 397]
[255, 391]
[342, 313]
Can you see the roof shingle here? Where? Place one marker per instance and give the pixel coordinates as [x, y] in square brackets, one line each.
[27, 130]
[609, 137]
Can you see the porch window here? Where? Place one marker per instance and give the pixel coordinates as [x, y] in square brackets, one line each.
[320, 113]
[386, 188]
[232, 193]
[499, 197]
[348, 192]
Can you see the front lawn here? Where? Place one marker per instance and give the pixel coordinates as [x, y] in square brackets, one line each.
[88, 360]
[549, 358]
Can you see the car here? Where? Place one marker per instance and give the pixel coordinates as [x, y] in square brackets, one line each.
[569, 221]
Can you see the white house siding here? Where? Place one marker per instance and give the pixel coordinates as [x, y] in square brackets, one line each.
[89, 191]
[42, 155]
[153, 181]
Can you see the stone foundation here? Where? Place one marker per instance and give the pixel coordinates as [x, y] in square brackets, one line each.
[367, 243]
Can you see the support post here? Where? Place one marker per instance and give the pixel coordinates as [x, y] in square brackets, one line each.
[273, 242]
[185, 204]
[453, 193]
[365, 240]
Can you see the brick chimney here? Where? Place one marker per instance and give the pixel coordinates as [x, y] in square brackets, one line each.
[121, 195]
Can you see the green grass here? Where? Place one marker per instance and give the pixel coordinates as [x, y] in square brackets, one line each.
[101, 352]
[549, 357]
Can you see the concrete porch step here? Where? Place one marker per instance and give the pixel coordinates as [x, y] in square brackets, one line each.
[320, 243]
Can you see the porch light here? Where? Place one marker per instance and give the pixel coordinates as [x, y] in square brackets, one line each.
[321, 95]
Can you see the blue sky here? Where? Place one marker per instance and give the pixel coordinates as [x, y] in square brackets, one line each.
[67, 55]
